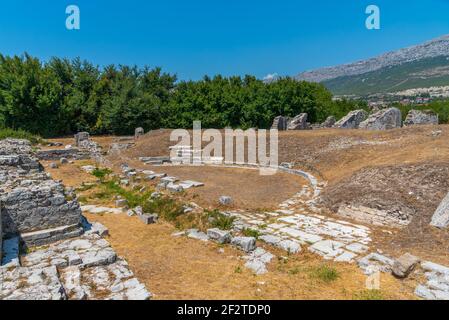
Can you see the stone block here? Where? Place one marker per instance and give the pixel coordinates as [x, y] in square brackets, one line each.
[219, 236]
[225, 200]
[421, 117]
[386, 119]
[138, 132]
[81, 137]
[121, 203]
[280, 123]
[174, 187]
[352, 120]
[246, 244]
[196, 234]
[440, 218]
[299, 122]
[149, 218]
[403, 266]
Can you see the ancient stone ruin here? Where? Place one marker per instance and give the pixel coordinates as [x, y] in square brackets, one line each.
[416, 117]
[440, 218]
[75, 263]
[299, 122]
[352, 120]
[33, 205]
[138, 133]
[329, 123]
[383, 119]
[57, 154]
[377, 217]
[280, 123]
[81, 137]
[386, 119]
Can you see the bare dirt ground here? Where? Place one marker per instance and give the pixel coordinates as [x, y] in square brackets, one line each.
[248, 189]
[407, 168]
[72, 175]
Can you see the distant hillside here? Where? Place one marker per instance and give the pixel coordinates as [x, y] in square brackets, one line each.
[421, 65]
[417, 74]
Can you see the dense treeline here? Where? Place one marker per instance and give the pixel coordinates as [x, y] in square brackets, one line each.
[65, 96]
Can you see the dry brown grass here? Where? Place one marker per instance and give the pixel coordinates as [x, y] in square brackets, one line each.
[314, 149]
[248, 189]
[71, 174]
[181, 268]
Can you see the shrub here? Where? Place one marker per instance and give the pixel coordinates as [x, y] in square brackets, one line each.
[167, 208]
[19, 134]
[251, 233]
[111, 188]
[101, 173]
[220, 220]
[325, 273]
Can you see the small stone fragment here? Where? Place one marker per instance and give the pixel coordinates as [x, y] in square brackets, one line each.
[225, 200]
[403, 266]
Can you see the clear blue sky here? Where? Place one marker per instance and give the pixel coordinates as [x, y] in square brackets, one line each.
[233, 37]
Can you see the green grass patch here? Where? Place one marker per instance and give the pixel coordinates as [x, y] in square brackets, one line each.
[219, 220]
[111, 188]
[247, 232]
[325, 273]
[85, 187]
[369, 295]
[101, 173]
[19, 134]
[167, 208]
[294, 271]
[82, 199]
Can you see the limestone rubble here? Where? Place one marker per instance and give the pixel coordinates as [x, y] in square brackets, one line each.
[69, 258]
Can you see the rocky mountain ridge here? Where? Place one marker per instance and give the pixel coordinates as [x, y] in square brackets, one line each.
[431, 49]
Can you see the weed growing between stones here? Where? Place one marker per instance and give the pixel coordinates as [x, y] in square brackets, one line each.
[248, 232]
[219, 220]
[167, 208]
[325, 273]
[85, 187]
[111, 188]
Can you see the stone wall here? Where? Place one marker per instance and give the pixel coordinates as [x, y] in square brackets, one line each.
[352, 120]
[417, 117]
[385, 119]
[38, 206]
[299, 122]
[280, 123]
[374, 216]
[31, 200]
[57, 154]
